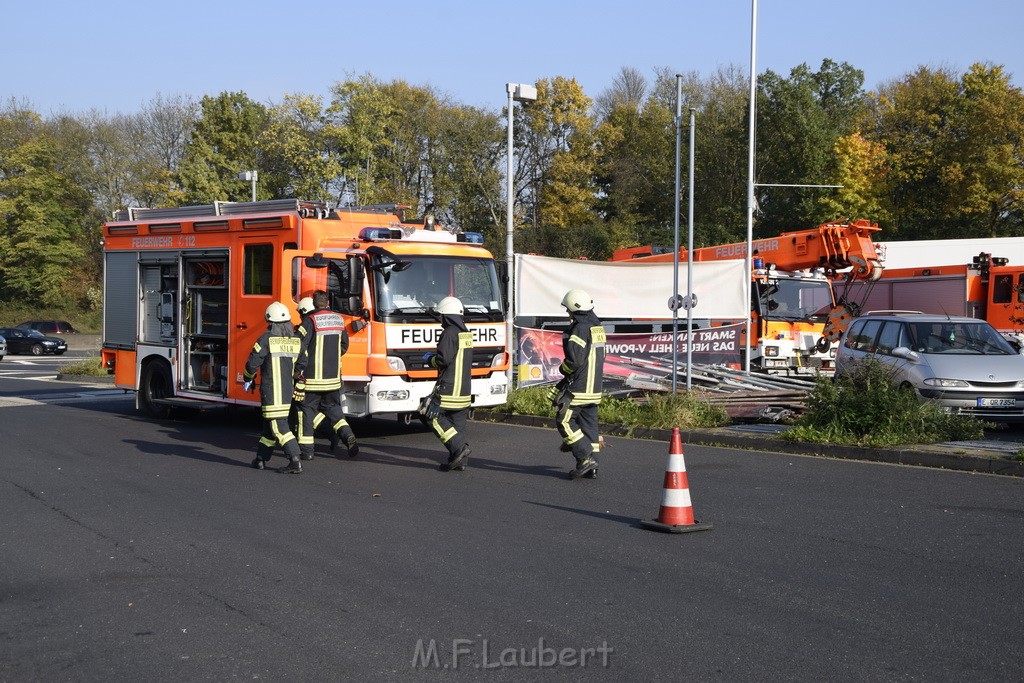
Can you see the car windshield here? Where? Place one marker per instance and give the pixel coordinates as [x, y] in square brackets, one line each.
[947, 336]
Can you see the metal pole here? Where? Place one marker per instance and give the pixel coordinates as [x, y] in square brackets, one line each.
[675, 252]
[254, 185]
[750, 175]
[689, 250]
[510, 341]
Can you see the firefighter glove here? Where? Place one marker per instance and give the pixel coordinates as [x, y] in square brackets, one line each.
[429, 356]
[249, 385]
[299, 393]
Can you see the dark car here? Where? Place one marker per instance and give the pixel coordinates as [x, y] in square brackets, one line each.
[49, 326]
[20, 340]
[3, 347]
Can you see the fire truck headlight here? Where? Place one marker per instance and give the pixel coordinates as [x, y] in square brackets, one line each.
[498, 360]
[498, 388]
[396, 363]
[771, 351]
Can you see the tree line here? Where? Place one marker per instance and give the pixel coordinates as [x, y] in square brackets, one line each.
[933, 154]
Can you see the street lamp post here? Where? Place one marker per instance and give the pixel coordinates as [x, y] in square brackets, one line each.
[252, 176]
[517, 92]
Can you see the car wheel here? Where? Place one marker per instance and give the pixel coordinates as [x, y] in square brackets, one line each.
[37, 349]
[156, 384]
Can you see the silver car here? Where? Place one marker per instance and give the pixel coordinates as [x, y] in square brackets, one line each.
[963, 364]
[3, 347]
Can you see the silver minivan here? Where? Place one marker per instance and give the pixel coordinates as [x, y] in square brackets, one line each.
[963, 364]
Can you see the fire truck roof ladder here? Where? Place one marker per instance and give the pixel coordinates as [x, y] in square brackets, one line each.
[310, 209]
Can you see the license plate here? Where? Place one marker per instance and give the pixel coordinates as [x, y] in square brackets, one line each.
[997, 402]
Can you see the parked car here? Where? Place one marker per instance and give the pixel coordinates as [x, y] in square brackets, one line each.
[49, 326]
[20, 340]
[963, 364]
[3, 347]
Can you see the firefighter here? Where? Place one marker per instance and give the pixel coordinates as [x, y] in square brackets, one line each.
[273, 356]
[578, 394]
[305, 307]
[318, 375]
[452, 398]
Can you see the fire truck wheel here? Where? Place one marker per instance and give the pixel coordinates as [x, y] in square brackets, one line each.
[156, 384]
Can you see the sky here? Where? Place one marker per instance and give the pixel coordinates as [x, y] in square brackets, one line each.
[115, 56]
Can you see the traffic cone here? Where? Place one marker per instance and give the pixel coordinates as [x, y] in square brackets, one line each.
[676, 513]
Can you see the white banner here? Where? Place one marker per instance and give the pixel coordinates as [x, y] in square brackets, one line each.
[624, 289]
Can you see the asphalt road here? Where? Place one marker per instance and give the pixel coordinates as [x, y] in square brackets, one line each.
[140, 550]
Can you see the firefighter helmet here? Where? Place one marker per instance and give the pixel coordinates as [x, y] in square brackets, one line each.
[306, 305]
[577, 300]
[449, 306]
[277, 312]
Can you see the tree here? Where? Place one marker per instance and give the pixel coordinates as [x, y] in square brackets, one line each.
[225, 142]
[296, 144]
[44, 216]
[799, 121]
[560, 154]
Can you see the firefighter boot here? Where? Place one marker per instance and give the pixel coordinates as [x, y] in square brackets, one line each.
[458, 460]
[258, 463]
[350, 442]
[584, 468]
[293, 467]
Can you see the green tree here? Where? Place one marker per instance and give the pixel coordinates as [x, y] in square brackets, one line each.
[799, 121]
[296, 139]
[560, 153]
[44, 216]
[225, 142]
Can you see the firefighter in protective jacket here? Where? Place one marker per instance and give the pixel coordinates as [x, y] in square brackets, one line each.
[273, 356]
[452, 397]
[578, 394]
[318, 374]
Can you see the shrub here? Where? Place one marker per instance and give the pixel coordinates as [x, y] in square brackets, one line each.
[867, 408]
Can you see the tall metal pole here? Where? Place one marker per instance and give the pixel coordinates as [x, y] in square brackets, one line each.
[510, 341]
[750, 176]
[254, 176]
[689, 250]
[675, 252]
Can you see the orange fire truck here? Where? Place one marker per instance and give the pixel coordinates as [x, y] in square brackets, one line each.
[185, 291]
[795, 310]
[988, 288]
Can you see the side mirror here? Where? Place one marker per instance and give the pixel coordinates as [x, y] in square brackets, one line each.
[906, 354]
[317, 260]
[355, 303]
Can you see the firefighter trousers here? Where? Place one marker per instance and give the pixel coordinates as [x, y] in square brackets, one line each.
[578, 427]
[276, 432]
[450, 427]
[328, 403]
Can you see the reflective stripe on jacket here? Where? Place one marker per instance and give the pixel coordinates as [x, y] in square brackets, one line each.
[273, 356]
[583, 350]
[324, 342]
[454, 361]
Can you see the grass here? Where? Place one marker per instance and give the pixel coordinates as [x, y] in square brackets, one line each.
[867, 409]
[654, 410]
[85, 367]
[88, 322]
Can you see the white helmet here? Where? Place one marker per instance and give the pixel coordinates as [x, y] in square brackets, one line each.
[449, 306]
[577, 300]
[306, 305]
[277, 312]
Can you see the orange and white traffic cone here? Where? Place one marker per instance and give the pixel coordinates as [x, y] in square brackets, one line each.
[676, 513]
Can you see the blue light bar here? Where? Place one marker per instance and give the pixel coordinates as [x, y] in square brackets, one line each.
[471, 237]
[371, 234]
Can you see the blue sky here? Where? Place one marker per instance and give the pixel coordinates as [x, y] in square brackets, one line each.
[115, 56]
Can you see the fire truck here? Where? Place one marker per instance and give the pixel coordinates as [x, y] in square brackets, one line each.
[185, 291]
[988, 288]
[800, 297]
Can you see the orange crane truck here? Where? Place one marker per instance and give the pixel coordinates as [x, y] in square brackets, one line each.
[185, 292]
[795, 310]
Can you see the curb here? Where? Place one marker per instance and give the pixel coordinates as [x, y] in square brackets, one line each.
[85, 379]
[941, 457]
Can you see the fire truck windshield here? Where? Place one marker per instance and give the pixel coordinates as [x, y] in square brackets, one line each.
[408, 295]
[795, 299]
